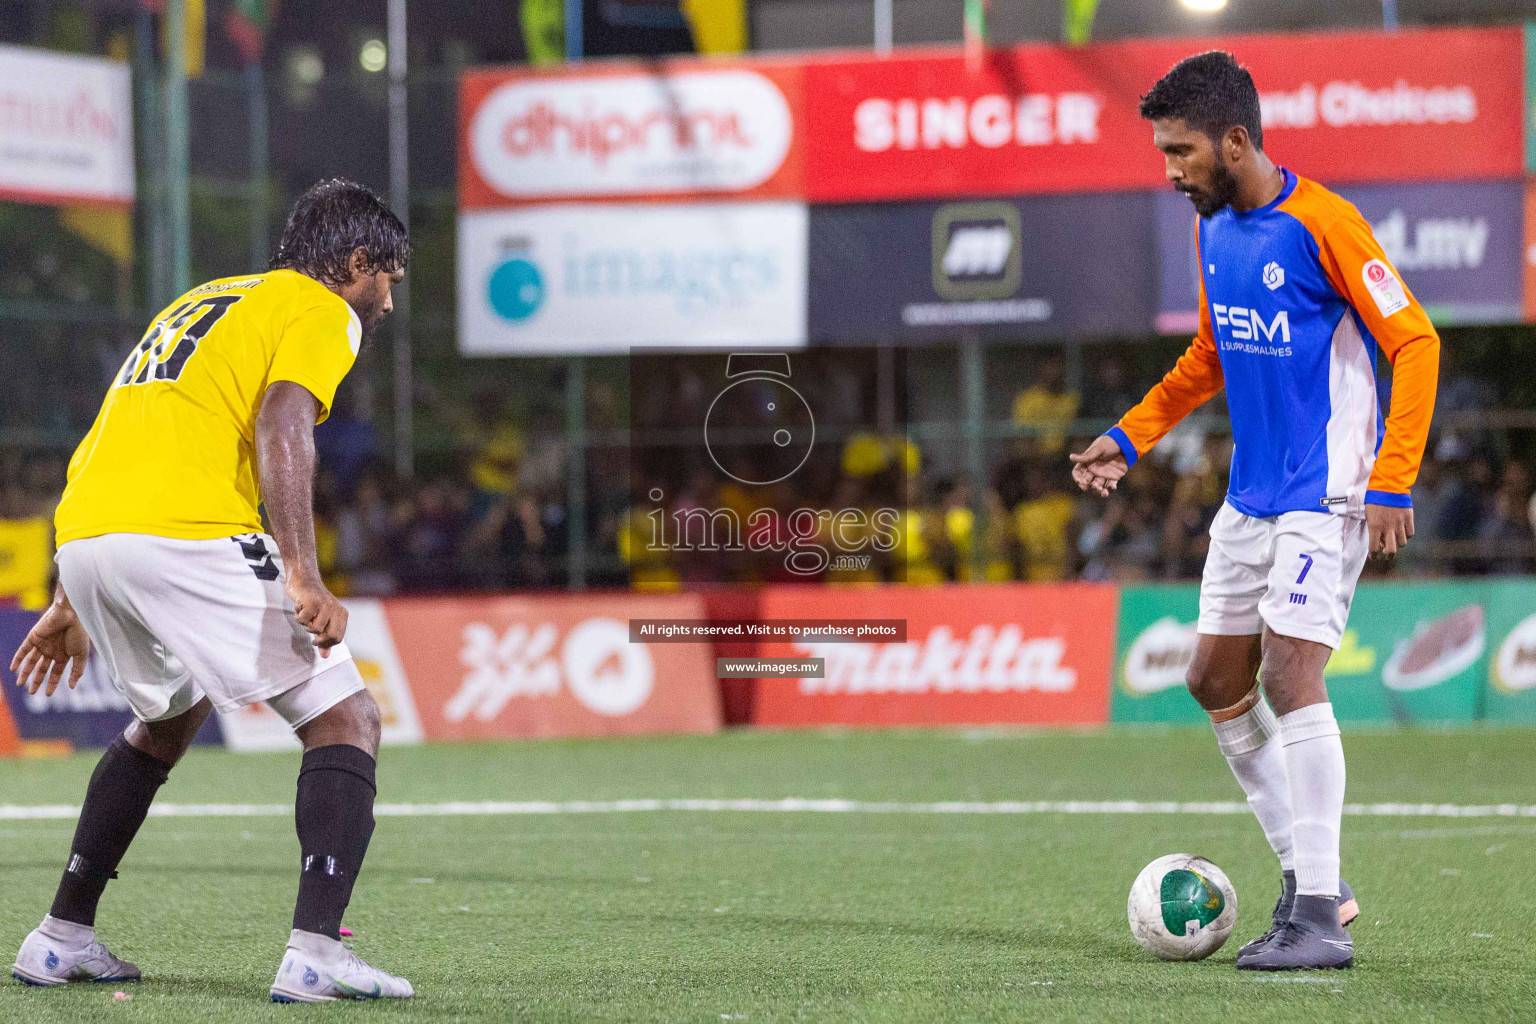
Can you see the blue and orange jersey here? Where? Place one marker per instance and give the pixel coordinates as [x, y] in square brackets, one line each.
[1296, 299]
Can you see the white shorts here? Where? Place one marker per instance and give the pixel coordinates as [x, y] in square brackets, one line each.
[174, 620]
[1295, 573]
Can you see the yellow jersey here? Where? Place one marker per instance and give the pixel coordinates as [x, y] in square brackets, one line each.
[172, 452]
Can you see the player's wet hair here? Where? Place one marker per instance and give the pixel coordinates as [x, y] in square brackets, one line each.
[1211, 92]
[333, 219]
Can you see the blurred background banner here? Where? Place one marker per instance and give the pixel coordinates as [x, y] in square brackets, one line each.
[66, 122]
[1035, 655]
[1019, 268]
[602, 278]
[623, 130]
[1429, 652]
[522, 667]
[1340, 107]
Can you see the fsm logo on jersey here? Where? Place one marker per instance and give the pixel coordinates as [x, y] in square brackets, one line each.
[585, 278]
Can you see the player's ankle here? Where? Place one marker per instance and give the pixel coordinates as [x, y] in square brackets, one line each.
[321, 947]
[69, 934]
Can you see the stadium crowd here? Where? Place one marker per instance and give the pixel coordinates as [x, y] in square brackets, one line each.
[491, 512]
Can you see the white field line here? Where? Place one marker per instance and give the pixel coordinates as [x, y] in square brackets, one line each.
[13, 812]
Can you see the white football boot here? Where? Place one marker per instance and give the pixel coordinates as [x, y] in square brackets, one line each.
[319, 969]
[44, 961]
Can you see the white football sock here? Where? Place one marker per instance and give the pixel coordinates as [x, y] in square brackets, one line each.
[1314, 764]
[1250, 742]
[68, 934]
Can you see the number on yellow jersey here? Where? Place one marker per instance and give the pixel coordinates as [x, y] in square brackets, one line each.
[171, 340]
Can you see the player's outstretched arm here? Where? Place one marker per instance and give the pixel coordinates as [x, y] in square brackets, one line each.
[1192, 381]
[56, 640]
[285, 465]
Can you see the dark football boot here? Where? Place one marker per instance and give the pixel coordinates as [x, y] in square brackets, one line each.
[1312, 940]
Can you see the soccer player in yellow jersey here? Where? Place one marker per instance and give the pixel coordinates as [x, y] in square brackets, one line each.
[165, 569]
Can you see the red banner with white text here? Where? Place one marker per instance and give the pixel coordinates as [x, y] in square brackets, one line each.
[1339, 107]
[996, 654]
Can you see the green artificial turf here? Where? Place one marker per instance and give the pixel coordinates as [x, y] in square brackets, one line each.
[715, 916]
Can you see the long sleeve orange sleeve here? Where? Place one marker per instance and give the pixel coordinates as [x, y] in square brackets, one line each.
[1361, 272]
[1194, 379]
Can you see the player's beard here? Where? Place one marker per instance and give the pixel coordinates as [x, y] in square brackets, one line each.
[370, 319]
[1211, 201]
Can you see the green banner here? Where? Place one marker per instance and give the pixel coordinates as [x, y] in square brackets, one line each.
[1412, 653]
[1153, 647]
[1530, 97]
[1511, 693]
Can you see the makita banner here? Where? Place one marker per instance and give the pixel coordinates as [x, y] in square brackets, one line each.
[1037, 266]
[973, 655]
[1459, 246]
[551, 665]
[626, 130]
[1338, 107]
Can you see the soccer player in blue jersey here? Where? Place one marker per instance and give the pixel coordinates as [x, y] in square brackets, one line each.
[1297, 300]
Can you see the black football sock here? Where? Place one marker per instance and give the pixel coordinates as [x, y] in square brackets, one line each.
[116, 802]
[334, 814]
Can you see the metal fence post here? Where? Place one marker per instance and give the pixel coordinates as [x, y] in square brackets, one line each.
[177, 147]
[576, 472]
[973, 404]
[256, 107]
[400, 199]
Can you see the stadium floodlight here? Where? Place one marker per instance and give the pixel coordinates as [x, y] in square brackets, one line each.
[1205, 6]
[373, 56]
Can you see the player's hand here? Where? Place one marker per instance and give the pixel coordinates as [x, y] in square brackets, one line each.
[1100, 467]
[56, 640]
[1390, 528]
[318, 611]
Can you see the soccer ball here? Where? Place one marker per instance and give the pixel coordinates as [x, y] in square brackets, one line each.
[1182, 907]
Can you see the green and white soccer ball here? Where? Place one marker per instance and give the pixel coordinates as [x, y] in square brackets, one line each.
[1182, 907]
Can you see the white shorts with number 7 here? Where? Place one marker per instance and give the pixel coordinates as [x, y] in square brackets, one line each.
[1295, 573]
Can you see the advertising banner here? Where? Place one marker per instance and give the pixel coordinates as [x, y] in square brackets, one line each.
[257, 727]
[1412, 653]
[66, 124]
[514, 667]
[565, 279]
[1016, 268]
[1460, 246]
[1035, 655]
[1418, 105]
[628, 131]
[92, 714]
[1511, 694]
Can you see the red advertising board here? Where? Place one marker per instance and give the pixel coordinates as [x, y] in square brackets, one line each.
[1340, 107]
[516, 666]
[624, 130]
[1037, 655]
